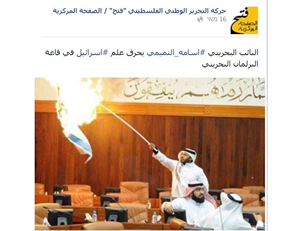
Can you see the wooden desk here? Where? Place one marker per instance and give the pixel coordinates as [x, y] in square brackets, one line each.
[43, 199]
[150, 226]
[131, 225]
[67, 227]
[79, 218]
[79, 212]
[101, 213]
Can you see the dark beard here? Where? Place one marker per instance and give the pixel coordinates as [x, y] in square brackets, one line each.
[198, 199]
[187, 161]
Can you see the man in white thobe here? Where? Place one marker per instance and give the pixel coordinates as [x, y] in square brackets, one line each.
[228, 216]
[196, 202]
[184, 170]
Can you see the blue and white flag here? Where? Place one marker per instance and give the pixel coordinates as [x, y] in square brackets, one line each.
[76, 136]
[77, 101]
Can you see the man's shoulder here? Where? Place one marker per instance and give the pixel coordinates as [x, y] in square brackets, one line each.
[209, 204]
[196, 167]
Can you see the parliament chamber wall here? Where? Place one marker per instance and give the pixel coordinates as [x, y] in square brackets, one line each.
[230, 146]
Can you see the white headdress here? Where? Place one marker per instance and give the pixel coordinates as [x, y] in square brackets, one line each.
[228, 216]
[190, 152]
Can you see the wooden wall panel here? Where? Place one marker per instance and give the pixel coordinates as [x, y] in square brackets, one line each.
[128, 108]
[230, 150]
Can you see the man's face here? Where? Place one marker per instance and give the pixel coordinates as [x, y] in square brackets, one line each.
[198, 195]
[185, 158]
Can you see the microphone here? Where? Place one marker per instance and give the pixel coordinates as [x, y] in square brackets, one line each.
[45, 207]
[122, 208]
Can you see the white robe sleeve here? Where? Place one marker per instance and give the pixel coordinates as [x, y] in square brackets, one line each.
[178, 203]
[165, 161]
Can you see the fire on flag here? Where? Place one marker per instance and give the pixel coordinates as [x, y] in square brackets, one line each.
[77, 101]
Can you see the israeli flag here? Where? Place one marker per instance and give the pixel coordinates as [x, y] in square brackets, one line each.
[76, 136]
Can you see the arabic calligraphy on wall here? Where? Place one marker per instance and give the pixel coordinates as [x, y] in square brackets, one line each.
[218, 91]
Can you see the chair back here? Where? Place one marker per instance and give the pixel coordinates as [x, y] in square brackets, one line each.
[111, 189]
[141, 189]
[163, 194]
[215, 193]
[136, 212]
[39, 189]
[126, 197]
[254, 189]
[78, 187]
[41, 212]
[159, 190]
[81, 198]
[249, 199]
[104, 225]
[236, 190]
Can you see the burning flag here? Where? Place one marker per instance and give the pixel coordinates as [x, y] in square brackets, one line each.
[76, 105]
[77, 101]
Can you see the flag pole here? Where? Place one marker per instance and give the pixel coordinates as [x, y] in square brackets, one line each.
[106, 108]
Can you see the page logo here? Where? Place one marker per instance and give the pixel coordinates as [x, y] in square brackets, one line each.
[246, 22]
